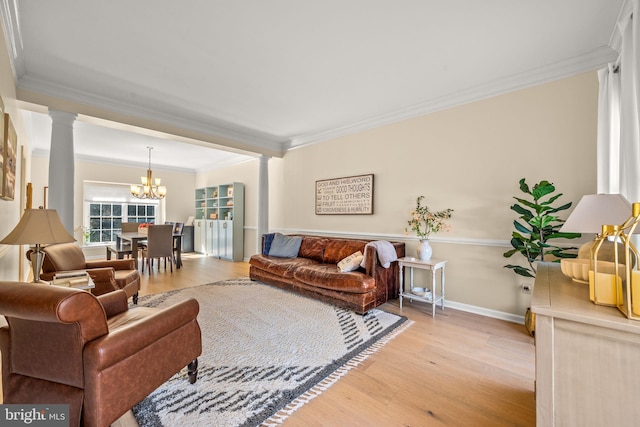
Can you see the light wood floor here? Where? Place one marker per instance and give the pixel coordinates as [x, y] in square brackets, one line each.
[457, 369]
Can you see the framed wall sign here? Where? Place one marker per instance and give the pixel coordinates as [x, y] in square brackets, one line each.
[351, 195]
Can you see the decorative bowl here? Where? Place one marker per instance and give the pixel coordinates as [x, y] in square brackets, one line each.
[421, 292]
[578, 268]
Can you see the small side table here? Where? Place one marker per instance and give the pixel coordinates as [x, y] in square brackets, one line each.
[433, 265]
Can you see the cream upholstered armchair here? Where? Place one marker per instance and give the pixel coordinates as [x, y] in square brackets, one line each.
[66, 346]
[107, 275]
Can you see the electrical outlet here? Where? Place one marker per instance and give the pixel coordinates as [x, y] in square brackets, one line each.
[526, 288]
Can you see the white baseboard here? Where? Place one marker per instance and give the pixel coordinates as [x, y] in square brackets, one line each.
[509, 317]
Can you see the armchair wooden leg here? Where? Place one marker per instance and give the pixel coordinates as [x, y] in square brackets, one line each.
[135, 298]
[192, 371]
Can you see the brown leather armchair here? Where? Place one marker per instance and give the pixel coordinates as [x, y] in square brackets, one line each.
[67, 346]
[107, 275]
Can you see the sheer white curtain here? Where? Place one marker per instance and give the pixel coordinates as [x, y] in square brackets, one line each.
[608, 156]
[619, 114]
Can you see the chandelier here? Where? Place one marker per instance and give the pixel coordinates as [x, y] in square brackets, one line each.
[149, 189]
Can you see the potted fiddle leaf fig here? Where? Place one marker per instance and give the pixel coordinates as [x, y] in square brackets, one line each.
[538, 223]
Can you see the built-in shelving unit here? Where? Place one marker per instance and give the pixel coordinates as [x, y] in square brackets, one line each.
[219, 221]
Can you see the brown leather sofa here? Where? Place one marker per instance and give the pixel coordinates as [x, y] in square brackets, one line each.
[314, 272]
[67, 346]
[107, 275]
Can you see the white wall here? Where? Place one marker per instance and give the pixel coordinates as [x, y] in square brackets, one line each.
[468, 158]
[13, 265]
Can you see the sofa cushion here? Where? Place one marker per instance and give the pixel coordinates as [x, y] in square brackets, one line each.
[285, 246]
[351, 263]
[338, 249]
[283, 267]
[313, 247]
[124, 277]
[327, 276]
[268, 240]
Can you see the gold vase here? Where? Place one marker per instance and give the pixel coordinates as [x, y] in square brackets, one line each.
[530, 322]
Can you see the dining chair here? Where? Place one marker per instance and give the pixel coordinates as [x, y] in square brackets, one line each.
[129, 227]
[123, 247]
[178, 227]
[177, 231]
[159, 245]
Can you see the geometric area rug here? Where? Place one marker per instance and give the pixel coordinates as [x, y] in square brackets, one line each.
[265, 353]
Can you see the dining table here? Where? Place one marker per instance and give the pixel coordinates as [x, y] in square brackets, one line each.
[134, 237]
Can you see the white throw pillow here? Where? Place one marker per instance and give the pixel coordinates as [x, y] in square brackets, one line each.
[351, 263]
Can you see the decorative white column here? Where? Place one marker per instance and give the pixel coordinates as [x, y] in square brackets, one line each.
[61, 167]
[263, 200]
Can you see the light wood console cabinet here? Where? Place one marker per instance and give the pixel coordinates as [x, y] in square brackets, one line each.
[587, 356]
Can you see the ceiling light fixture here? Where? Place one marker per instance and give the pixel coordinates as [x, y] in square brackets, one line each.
[149, 189]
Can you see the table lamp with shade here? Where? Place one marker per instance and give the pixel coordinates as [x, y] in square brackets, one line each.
[38, 227]
[628, 295]
[590, 214]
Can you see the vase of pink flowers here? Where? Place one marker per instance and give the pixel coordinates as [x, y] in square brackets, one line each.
[424, 222]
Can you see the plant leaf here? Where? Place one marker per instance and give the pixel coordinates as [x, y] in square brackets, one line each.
[521, 228]
[522, 271]
[524, 187]
[564, 235]
[542, 189]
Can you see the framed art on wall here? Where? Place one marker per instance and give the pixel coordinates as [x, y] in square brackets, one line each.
[2, 138]
[10, 155]
[352, 195]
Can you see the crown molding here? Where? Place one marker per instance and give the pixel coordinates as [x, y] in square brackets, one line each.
[567, 68]
[217, 130]
[225, 164]
[615, 41]
[12, 35]
[40, 153]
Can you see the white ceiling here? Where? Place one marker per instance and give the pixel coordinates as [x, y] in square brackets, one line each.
[276, 74]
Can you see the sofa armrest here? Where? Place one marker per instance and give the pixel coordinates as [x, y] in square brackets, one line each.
[372, 260]
[52, 305]
[133, 337]
[114, 302]
[117, 264]
[103, 279]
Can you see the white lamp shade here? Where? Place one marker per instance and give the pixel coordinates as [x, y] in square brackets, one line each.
[38, 226]
[595, 210]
